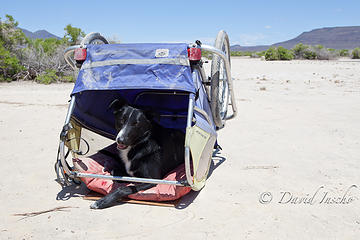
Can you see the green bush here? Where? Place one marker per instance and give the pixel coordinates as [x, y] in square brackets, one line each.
[10, 36]
[319, 52]
[302, 51]
[241, 53]
[319, 46]
[344, 52]
[44, 56]
[258, 54]
[261, 53]
[299, 50]
[271, 54]
[48, 46]
[309, 54]
[285, 54]
[69, 78]
[355, 54]
[10, 39]
[9, 65]
[49, 76]
[278, 53]
[73, 34]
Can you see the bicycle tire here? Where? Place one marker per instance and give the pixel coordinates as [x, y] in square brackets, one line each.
[219, 90]
[94, 38]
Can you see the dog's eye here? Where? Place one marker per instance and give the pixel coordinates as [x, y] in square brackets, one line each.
[134, 123]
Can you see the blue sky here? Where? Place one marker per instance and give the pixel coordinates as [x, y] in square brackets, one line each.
[247, 22]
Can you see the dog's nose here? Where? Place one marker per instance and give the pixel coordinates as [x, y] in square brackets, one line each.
[119, 141]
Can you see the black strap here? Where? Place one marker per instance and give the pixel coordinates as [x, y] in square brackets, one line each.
[197, 94]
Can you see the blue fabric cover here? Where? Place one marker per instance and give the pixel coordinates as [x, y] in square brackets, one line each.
[97, 87]
[134, 76]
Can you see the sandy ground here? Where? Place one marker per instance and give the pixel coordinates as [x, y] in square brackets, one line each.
[296, 138]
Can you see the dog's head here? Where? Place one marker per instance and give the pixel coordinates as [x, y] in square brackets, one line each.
[131, 123]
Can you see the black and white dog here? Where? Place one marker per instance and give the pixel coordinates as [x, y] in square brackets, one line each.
[147, 149]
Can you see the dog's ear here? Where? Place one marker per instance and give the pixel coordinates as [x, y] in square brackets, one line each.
[117, 104]
[152, 115]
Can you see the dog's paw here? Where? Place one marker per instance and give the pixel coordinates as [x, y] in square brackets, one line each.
[95, 205]
[101, 204]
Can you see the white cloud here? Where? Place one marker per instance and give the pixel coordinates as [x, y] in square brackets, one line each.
[267, 26]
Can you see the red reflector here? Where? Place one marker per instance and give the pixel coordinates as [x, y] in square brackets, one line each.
[194, 54]
[80, 54]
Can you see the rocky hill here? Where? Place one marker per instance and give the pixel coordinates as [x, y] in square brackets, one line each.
[39, 34]
[330, 37]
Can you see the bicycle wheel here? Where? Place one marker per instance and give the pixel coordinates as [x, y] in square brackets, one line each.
[94, 38]
[219, 81]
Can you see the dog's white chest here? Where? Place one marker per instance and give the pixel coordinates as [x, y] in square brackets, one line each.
[124, 157]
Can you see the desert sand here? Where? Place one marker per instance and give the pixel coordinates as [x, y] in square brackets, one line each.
[295, 141]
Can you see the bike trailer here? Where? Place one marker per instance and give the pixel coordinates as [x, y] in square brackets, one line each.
[166, 78]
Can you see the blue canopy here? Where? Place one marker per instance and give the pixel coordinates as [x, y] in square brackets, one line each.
[149, 76]
[135, 66]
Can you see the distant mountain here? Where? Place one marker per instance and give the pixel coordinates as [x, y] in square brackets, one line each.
[329, 37]
[39, 34]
